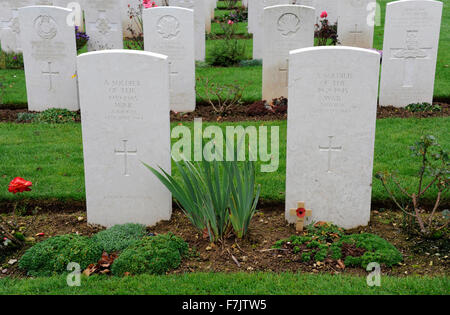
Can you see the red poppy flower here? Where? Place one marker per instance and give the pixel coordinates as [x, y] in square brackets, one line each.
[324, 14]
[19, 185]
[301, 212]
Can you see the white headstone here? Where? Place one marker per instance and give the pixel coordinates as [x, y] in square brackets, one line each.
[49, 54]
[124, 97]
[10, 26]
[170, 31]
[411, 39]
[258, 23]
[355, 28]
[331, 133]
[68, 4]
[199, 24]
[104, 24]
[286, 27]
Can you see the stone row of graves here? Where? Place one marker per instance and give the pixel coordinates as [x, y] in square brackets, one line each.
[410, 45]
[125, 97]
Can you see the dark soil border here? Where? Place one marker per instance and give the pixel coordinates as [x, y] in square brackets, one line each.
[246, 113]
[71, 206]
[254, 252]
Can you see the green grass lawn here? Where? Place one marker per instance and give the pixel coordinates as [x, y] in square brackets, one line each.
[228, 284]
[15, 91]
[51, 156]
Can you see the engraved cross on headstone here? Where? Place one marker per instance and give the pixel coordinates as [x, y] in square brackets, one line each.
[409, 56]
[125, 153]
[50, 74]
[356, 33]
[284, 71]
[330, 149]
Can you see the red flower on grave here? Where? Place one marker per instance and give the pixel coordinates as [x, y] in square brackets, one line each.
[301, 212]
[324, 14]
[19, 185]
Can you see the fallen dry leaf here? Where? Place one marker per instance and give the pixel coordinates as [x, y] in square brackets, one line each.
[341, 264]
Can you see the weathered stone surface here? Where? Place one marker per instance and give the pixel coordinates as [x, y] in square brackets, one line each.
[170, 31]
[331, 133]
[49, 53]
[411, 39]
[124, 97]
[286, 27]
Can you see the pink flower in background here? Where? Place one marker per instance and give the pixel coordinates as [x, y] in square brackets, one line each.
[230, 22]
[324, 14]
[148, 4]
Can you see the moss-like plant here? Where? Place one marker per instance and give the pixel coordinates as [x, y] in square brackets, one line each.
[377, 250]
[119, 237]
[152, 255]
[56, 116]
[52, 256]
[327, 240]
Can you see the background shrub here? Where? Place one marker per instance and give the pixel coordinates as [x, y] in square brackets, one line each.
[119, 237]
[152, 255]
[56, 116]
[51, 256]
[11, 60]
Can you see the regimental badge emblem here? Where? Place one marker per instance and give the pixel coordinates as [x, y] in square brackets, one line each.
[45, 26]
[168, 27]
[288, 24]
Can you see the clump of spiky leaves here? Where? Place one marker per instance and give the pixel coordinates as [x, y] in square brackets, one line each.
[52, 256]
[216, 196]
[327, 241]
[119, 237]
[151, 255]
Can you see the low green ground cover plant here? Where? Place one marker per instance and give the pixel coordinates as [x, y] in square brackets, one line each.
[49, 116]
[376, 249]
[52, 256]
[136, 252]
[56, 116]
[119, 237]
[151, 255]
[322, 241]
[423, 107]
